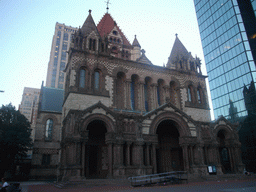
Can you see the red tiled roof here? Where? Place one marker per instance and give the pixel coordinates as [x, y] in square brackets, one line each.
[106, 25]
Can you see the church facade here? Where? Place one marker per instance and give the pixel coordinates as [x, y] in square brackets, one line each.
[123, 116]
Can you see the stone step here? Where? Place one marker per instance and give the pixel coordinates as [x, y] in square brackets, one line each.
[93, 183]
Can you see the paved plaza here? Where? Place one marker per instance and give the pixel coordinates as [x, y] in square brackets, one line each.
[248, 185]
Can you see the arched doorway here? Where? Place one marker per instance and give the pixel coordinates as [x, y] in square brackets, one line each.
[169, 152]
[96, 160]
[224, 152]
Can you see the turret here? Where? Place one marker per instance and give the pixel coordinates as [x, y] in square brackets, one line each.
[136, 51]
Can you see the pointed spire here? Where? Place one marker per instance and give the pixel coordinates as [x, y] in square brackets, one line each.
[88, 25]
[135, 42]
[178, 51]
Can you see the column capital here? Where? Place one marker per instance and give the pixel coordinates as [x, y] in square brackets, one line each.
[128, 142]
[139, 143]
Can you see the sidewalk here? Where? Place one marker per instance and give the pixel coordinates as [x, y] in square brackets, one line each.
[248, 185]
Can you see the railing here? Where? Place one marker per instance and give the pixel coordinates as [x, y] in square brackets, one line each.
[168, 177]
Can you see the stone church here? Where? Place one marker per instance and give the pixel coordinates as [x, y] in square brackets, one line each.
[124, 116]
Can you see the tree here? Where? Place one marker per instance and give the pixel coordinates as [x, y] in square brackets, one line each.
[14, 137]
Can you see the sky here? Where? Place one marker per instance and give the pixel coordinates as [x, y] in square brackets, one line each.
[27, 28]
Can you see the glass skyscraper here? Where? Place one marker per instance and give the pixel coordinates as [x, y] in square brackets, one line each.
[228, 35]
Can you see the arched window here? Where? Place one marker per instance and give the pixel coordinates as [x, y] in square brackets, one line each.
[96, 80]
[199, 98]
[190, 94]
[82, 78]
[48, 129]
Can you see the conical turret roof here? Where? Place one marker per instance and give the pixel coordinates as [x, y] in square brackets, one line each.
[136, 42]
[107, 24]
[89, 25]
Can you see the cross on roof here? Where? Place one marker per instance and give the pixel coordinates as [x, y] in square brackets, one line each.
[107, 5]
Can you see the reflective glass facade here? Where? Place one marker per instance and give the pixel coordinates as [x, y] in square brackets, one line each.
[228, 51]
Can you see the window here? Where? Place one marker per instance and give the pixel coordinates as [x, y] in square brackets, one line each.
[199, 99]
[46, 159]
[96, 80]
[92, 44]
[189, 94]
[65, 38]
[82, 78]
[64, 46]
[63, 55]
[48, 130]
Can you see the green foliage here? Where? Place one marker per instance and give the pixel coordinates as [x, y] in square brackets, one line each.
[14, 135]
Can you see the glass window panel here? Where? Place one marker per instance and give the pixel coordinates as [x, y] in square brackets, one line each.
[48, 130]
[244, 36]
[254, 77]
[249, 55]
[82, 78]
[252, 65]
[96, 80]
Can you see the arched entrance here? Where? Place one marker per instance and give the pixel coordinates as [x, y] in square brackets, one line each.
[96, 159]
[224, 152]
[169, 152]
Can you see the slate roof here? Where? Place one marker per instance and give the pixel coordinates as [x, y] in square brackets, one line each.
[89, 25]
[178, 50]
[51, 99]
[144, 59]
[107, 24]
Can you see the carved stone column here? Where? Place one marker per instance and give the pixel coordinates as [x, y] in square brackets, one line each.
[206, 155]
[154, 99]
[128, 94]
[200, 153]
[110, 160]
[185, 156]
[192, 155]
[85, 138]
[128, 153]
[138, 146]
[140, 96]
[118, 153]
[143, 108]
[147, 154]
[83, 159]
[154, 158]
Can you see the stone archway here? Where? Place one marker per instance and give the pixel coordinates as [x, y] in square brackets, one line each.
[169, 155]
[96, 151]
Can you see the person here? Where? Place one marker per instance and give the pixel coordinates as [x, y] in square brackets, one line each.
[4, 186]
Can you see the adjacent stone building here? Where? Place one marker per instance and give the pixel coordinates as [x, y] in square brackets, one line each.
[46, 147]
[124, 116]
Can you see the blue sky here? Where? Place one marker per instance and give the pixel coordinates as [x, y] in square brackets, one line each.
[27, 28]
